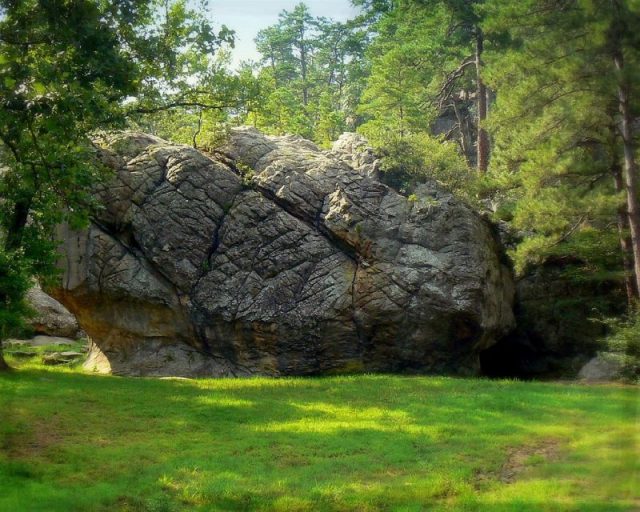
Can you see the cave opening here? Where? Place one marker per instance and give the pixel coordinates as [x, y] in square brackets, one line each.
[510, 358]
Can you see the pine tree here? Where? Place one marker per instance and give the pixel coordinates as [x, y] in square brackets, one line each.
[310, 76]
[558, 125]
[444, 41]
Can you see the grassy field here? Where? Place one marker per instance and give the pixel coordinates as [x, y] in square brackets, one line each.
[76, 442]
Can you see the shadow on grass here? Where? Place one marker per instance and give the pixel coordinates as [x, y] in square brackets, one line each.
[346, 443]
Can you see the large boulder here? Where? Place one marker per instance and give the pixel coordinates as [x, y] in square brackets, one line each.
[270, 256]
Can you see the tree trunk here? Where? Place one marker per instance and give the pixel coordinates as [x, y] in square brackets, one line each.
[630, 178]
[481, 100]
[303, 66]
[625, 240]
[463, 132]
[3, 364]
[19, 219]
[630, 170]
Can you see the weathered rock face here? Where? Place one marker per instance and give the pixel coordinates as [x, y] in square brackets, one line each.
[354, 150]
[273, 257]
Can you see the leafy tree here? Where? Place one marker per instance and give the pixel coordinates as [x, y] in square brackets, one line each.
[68, 68]
[331, 120]
[288, 49]
[310, 76]
[14, 283]
[437, 45]
[277, 53]
[565, 92]
[197, 110]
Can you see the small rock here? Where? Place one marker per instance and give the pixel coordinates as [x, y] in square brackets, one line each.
[52, 318]
[354, 149]
[40, 341]
[71, 353]
[15, 343]
[53, 359]
[601, 368]
[58, 358]
[20, 353]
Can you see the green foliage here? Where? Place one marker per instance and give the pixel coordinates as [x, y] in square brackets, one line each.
[315, 81]
[330, 444]
[14, 283]
[62, 72]
[410, 160]
[418, 47]
[67, 70]
[190, 103]
[310, 76]
[331, 121]
[247, 174]
[284, 113]
[423, 71]
[394, 97]
[554, 123]
[178, 58]
[623, 345]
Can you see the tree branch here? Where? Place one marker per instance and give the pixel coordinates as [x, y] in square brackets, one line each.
[177, 104]
[570, 232]
[13, 42]
[450, 80]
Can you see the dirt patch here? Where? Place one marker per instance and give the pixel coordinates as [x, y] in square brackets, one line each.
[519, 459]
[34, 441]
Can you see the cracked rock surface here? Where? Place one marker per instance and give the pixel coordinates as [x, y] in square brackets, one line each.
[270, 256]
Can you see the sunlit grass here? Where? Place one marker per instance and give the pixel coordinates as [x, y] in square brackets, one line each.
[70, 441]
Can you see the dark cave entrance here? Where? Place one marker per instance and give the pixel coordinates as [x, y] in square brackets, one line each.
[510, 358]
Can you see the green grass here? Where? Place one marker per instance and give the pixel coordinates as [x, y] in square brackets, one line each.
[41, 350]
[76, 442]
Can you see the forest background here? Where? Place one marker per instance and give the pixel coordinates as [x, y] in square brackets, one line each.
[527, 110]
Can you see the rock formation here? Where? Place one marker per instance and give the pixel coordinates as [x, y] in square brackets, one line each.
[270, 256]
[354, 150]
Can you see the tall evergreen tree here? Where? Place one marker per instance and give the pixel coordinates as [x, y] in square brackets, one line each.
[622, 43]
[444, 42]
[559, 125]
[310, 75]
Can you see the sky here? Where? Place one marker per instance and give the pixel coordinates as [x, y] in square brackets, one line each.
[247, 17]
